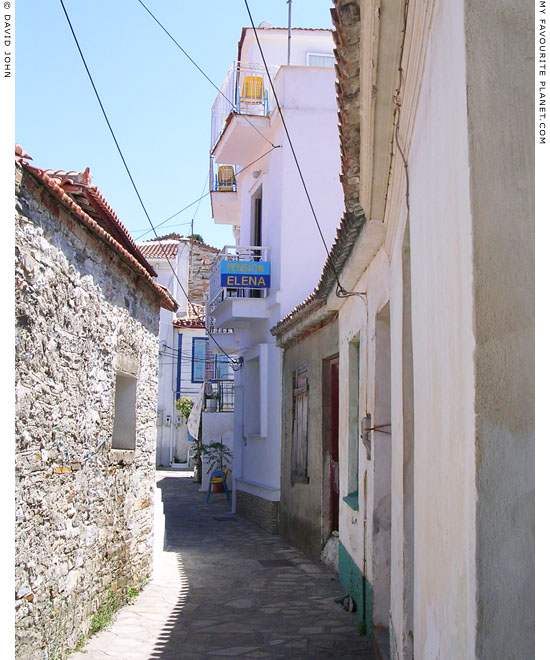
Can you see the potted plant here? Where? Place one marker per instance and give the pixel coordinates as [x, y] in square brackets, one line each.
[218, 457]
[211, 402]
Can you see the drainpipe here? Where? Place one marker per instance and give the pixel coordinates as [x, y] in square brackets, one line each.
[364, 588]
[239, 392]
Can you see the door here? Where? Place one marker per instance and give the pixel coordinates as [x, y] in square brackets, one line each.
[333, 429]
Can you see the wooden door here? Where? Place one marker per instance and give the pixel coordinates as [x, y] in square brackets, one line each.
[333, 430]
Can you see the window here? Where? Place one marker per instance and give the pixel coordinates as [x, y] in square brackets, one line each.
[300, 388]
[124, 424]
[320, 59]
[203, 361]
[222, 368]
[353, 418]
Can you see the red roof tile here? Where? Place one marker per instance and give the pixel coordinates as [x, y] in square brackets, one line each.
[159, 249]
[86, 203]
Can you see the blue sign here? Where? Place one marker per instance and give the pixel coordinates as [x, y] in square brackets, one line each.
[246, 274]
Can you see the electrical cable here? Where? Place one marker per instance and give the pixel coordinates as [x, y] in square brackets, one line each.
[340, 291]
[235, 364]
[202, 72]
[208, 193]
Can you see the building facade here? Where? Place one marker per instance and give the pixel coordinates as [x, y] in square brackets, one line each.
[436, 340]
[256, 187]
[87, 316]
[185, 359]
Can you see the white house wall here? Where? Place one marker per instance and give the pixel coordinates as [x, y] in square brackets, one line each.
[442, 322]
[275, 46]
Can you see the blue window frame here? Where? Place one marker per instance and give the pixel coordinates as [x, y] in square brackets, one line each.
[198, 365]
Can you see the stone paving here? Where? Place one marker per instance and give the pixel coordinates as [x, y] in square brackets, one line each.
[222, 588]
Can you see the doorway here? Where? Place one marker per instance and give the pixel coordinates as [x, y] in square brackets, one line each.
[381, 455]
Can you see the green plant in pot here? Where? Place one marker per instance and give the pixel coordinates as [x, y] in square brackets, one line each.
[218, 457]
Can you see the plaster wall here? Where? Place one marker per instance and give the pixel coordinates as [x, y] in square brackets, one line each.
[303, 509]
[443, 344]
[275, 46]
[500, 111]
[217, 427]
[296, 255]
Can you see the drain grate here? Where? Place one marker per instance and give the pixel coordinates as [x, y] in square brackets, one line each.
[274, 563]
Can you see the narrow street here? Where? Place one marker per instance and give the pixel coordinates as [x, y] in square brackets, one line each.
[223, 588]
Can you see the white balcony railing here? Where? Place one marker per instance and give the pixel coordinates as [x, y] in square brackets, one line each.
[244, 91]
[219, 293]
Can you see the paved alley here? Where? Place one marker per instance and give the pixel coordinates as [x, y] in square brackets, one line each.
[223, 588]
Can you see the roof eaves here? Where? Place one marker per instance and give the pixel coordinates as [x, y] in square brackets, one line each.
[166, 300]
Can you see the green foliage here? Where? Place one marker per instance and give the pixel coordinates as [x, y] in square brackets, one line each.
[197, 237]
[184, 405]
[105, 612]
[217, 454]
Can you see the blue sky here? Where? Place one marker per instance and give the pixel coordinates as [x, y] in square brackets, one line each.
[157, 102]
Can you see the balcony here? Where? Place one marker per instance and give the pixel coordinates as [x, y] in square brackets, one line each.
[244, 93]
[239, 286]
[220, 397]
[223, 193]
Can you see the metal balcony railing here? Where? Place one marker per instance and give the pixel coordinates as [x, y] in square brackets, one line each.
[222, 397]
[244, 91]
[223, 178]
[219, 293]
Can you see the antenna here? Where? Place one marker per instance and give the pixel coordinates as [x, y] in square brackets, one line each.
[289, 3]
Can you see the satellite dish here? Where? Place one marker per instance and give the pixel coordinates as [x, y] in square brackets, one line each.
[265, 25]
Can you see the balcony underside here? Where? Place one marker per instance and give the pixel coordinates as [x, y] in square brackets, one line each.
[226, 341]
[240, 312]
[240, 143]
[225, 208]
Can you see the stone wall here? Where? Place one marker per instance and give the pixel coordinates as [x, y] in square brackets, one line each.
[84, 514]
[263, 513]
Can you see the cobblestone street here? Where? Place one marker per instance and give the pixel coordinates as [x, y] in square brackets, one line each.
[223, 588]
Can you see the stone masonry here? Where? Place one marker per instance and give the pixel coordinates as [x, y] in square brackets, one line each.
[261, 512]
[84, 515]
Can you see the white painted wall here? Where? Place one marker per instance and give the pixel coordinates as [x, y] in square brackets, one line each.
[441, 272]
[307, 97]
[275, 44]
[217, 426]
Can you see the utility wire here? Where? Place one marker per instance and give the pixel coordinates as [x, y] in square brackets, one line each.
[234, 363]
[206, 194]
[203, 73]
[340, 291]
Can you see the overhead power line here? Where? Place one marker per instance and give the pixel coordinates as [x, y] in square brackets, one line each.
[243, 169]
[235, 364]
[340, 291]
[201, 71]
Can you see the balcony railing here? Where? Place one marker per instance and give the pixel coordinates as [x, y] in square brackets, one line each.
[245, 91]
[221, 397]
[223, 178]
[218, 293]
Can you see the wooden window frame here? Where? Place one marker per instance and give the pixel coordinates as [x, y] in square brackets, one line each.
[300, 426]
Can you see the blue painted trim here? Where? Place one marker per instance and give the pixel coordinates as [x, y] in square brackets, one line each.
[178, 376]
[195, 340]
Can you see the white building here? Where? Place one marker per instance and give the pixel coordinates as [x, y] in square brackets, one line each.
[256, 188]
[185, 359]
[436, 346]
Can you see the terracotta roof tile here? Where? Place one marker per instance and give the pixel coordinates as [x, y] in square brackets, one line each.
[159, 249]
[73, 191]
